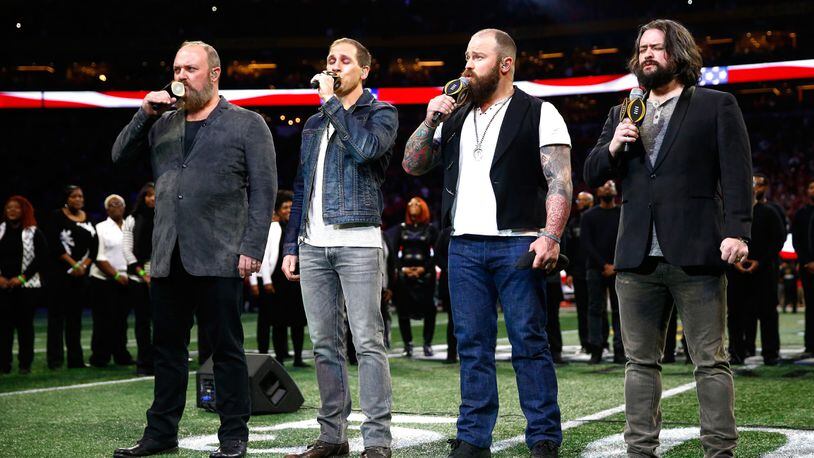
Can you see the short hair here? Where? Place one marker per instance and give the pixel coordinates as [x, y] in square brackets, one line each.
[114, 197]
[283, 196]
[505, 44]
[761, 175]
[68, 190]
[362, 54]
[212, 57]
[680, 47]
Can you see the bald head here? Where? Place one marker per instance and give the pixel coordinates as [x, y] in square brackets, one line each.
[504, 45]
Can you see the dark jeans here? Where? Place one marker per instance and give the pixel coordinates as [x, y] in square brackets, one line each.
[218, 302]
[140, 299]
[808, 294]
[110, 307]
[581, 299]
[67, 297]
[481, 269]
[17, 312]
[600, 290]
[645, 303]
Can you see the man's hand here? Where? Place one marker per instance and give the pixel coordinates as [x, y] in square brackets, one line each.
[443, 104]
[254, 290]
[750, 265]
[326, 86]
[269, 288]
[387, 295]
[809, 266]
[626, 132]
[290, 266]
[546, 251]
[161, 98]
[733, 250]
[247, 266]
[608, 270]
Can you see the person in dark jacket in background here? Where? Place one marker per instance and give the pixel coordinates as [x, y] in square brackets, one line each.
[23, 254]
[801, 233]
[599, 228]
[576, 268]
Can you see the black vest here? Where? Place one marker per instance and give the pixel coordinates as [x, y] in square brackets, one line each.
[517, 176]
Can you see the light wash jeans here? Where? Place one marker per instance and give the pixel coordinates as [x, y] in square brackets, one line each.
[331, 278]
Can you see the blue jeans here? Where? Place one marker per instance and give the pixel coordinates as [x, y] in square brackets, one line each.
[481, 271]
[330, 279]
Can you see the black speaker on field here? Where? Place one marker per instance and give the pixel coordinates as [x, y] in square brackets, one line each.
[271, 389]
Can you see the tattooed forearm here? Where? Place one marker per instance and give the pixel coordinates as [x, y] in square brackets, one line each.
[556, 162]
[421, 153]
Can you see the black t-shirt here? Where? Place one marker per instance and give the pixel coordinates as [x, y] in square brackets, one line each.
[190, 131]
[65, 235]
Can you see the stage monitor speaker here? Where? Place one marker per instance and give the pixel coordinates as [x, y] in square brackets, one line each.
[271, 389]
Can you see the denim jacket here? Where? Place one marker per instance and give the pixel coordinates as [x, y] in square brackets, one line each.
[355, 165]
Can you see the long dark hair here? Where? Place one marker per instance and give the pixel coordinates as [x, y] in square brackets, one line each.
[143, 227]
[680, 47]
[140, 206]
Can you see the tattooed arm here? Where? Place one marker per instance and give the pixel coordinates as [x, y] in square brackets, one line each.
[421, 153]
[556, 163]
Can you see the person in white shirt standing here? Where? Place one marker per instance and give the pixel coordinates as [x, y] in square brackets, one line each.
[109, 281]
[507, 192]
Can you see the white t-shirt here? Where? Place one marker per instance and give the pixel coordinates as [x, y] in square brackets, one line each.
[317, 233]
[475, 209]
[111, 248]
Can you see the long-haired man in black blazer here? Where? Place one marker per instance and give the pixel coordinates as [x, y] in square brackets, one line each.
[686, 212]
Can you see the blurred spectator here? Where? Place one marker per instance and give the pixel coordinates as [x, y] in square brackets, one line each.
[109, 283]
[576, 268]
[442, 261]
[137, 240]
[73, 245]
[801, 237]
[23, 252]
[415, 283]
[599, 228]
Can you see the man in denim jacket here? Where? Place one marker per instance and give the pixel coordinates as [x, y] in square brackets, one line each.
[333, 235]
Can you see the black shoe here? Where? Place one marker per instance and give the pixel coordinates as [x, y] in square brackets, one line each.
[321, 449]
[428, 350]
[300, 363]
[771, 360]
[556, 357]
[449, 360]
[596, 357]
[408, 350]
[146, 447]
[462, 449]
[230, 449]
[545, 449]
[377, 452]
[55, 365]
[25, 370]
[735, 360]
[619, 358]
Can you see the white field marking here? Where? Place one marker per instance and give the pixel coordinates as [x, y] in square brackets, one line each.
[79, 386]
[511, 442]
[402, 437]
[799, 443]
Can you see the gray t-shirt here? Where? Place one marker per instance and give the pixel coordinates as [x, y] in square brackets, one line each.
[654, 126]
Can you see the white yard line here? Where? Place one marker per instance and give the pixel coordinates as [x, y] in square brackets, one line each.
[511, 442]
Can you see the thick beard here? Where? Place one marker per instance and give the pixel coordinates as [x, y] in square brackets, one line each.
[481, 88]
[656, 79]
[195, 100]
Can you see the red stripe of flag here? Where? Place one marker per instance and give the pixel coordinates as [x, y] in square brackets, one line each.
[579, 80]
[786, 72]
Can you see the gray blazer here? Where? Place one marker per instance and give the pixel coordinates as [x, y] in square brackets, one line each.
[217, 203]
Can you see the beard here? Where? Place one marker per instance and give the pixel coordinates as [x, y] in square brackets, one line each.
[481, 88]
[657, 78]
[195, 100]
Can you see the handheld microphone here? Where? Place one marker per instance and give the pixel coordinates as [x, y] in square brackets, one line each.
[337, 81]
[635, 109]
[174, 89]
[457, 88]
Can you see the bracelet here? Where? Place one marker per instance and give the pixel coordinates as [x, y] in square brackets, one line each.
[116, 277]
[553, 237]
[76, 266]
[428, 126]
[22, 279]
[141, 273]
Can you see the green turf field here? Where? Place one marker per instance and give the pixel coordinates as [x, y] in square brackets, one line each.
[774, 406]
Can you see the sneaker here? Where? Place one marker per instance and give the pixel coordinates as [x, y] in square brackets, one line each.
[462, 449]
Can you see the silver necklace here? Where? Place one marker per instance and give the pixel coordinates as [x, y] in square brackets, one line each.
[478, 152]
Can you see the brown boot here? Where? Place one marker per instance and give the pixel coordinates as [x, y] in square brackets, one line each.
[321, 449]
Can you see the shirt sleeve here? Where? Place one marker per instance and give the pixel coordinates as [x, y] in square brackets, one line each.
[101, 255]
[127, 240]
[272, 251]
[436, 136]
[553, 130]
